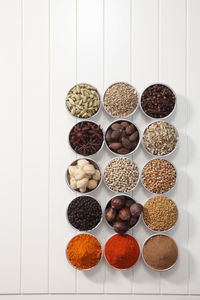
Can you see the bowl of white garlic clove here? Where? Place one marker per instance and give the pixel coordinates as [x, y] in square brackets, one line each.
[83, 176]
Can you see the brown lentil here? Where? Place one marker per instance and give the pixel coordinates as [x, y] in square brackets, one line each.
[121, 175]
[120, 99]
[160, 252]
[160, 138]
[158, 176]
[160, 213]
[83, 100]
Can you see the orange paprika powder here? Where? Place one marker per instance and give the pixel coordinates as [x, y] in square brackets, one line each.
[122, 251]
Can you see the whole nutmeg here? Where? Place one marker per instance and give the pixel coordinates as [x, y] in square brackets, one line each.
[133, 137]
[136, 209]
[124, 214]
[110, 214]
[118, 202]
[130, 129]
[115, 135]
[123, 151]
[116, 126]
[108, 135]
[133, 221]
[124, 124]
[129, 202]
[121, 227]
[126, 143]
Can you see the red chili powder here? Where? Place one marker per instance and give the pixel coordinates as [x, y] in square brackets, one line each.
[122, 251]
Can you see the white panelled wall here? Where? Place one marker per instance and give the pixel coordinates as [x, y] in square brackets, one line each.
[47, 46]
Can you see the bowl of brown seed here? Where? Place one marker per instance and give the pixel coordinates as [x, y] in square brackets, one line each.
[158, 176]
[122, 137]
[158, 101]
[83, 101]
[120, 100]
[160, 214]
[160, 138]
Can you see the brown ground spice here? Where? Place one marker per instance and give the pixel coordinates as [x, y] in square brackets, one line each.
[160, 252]
[160, 213]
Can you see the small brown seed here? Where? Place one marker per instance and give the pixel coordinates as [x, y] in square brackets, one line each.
[115, 146]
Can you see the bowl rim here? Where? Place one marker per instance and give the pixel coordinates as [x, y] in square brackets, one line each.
[165, 155]
[154, 193]
[125, 195]
[89, 230]
[158, 270]
[95, 164]
[162, 231]
[153, 118]
[102, 253]
[100, 102]
[139, 257]
[138, 144]
[123, 157]
[90, 121]
[129, 115]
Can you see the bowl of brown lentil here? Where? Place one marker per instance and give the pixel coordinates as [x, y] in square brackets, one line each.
[83, 101]
[160, 139]
[121, 175]
[86, 260]
[160, 214]
[158, 101]
[122, 137]
[159, 252]
[120, 100]
[158, 176]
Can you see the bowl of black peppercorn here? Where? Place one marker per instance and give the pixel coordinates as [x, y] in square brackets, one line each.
[84, 213]
[122, 213]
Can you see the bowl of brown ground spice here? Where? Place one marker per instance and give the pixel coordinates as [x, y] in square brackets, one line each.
[160, 252]
[160, 214]
[120, 100]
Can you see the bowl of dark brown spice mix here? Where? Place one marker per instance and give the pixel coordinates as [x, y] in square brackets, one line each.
[160, 138]
[160, 252]
[158, 176]
[120, 100]
[121, 175]
[158, 101]
[86, 138]
[160, 213]
[83, 101]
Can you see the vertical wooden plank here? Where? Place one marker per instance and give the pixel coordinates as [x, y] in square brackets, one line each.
[117, 68]
[144, 72]
[193, 144]
[62, 78]
[173, 72]
[10, 150]
[90, 70]
[35, 147]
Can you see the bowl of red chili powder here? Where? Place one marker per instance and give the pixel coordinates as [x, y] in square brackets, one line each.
[122, 251]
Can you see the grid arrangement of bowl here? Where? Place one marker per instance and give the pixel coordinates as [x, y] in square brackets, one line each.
[121, 175]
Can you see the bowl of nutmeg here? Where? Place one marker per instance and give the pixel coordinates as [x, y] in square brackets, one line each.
[122, 213]
[122, 137]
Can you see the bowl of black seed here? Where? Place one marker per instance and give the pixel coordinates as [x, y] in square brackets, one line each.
[158, 101]
[84, 213]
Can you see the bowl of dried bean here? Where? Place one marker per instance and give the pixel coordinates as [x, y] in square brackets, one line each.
[121, 175]
[122, 137]
[84, 213]
[122, 213]
[160, 138]
[83, 176]
[158, 101]
[120, 100]
[160, 214]
[83, 101]
[86, 138]
[158, 176]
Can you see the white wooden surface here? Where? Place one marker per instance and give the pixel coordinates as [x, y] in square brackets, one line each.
[47, 46]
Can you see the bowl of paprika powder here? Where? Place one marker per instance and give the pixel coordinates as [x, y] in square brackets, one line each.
[122, 251]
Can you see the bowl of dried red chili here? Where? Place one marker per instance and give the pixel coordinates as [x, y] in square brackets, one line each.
[158, 101]
[86, 138]
[122, 251]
